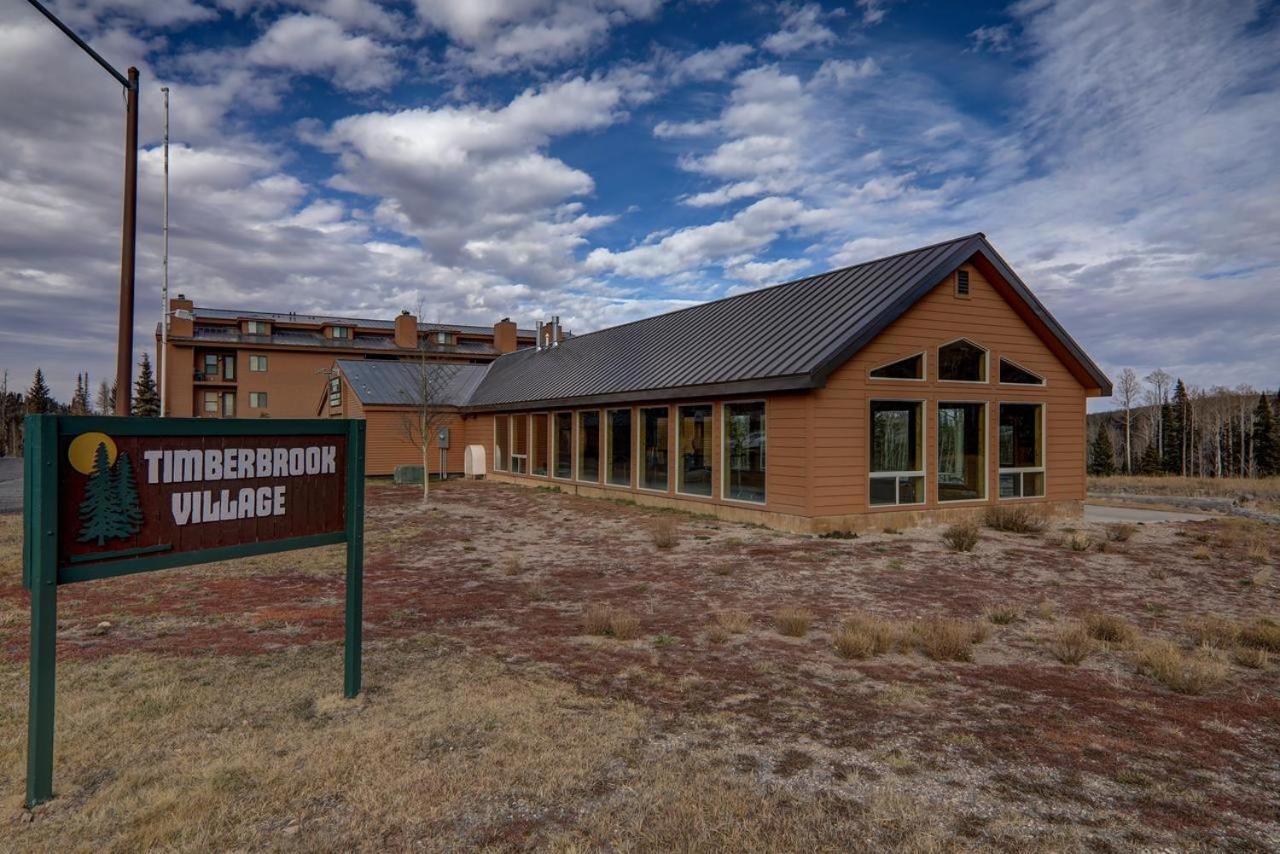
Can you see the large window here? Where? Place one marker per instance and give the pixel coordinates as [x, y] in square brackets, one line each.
[619, 447]
[910, 368]
[654, 459]
[501, 441]
[564, 444]
[1012, 373]
[897, 452]
[1021, 450]
[744, 451]
[538, 453]
[589, 446]
[962, 451]
[962, 361]
[519, 444]
[694, 443]
[258, 364]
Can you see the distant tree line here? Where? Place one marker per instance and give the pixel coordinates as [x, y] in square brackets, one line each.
[39, 400]
[1164, 426]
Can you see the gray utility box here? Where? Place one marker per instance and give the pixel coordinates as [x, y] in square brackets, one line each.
[442, 437]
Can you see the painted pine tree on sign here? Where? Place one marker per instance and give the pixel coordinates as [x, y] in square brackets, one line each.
[102, 516]
[127, 494]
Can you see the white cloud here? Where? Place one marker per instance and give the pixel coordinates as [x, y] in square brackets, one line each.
[759, 273]
[802, 28]
[873, 11]
[312, 44]
[845, 72]
[711, 64]
[995, 39]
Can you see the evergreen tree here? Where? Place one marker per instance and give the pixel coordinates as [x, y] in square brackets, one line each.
[80, 400]
[100, 516]
[1171, 460]
[103, 402]
[146, 400]
[39, 399]
[126, 488]
[1266, 440]
[1177, 446]
[1149, 462]
[1102, 457]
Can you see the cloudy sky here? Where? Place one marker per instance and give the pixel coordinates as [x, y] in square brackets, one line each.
[609, 159]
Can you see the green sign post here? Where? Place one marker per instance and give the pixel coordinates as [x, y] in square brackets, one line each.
[107, 496]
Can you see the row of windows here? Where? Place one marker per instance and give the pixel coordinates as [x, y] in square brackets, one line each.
[959, 361]
[224, 402]
[606, 441]
[897, 473]
[224, 365]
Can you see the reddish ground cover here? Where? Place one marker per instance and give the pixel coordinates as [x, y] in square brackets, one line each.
[509, 571]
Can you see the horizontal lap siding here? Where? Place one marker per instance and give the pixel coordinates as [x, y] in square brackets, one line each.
[840, 409]
[387, 445]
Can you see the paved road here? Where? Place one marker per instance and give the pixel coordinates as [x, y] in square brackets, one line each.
[1106, 513]
[10, 484]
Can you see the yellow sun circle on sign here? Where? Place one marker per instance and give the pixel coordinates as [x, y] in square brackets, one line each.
[85, 446]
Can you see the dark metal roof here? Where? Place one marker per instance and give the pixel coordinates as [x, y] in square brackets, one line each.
[785, 337]
[308, 338]
[396, 383]
[322, 319]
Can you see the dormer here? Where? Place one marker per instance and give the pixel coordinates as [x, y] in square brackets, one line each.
[338, 332]
[256, 327]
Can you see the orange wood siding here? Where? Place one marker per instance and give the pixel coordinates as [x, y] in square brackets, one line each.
[387, 446]
[841, 410]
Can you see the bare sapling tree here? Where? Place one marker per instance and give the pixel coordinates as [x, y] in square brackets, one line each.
[429, 410]
[1161, 382]
[1128, 389]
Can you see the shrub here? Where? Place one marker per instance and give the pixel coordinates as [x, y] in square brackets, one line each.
[793, 622]
[666, 534]
[1109, 628]
[1015, 520]
[1002, 615]
[624, 626]
[512, 566]
[1077, 541]
[1045, 610]
[1213, 630]
[1202, 553]
[1261, 578]
[1120, 532]
[864, 635]
[734, 622]
[595, 619]
[1179, 671]
[838, 535]
[948, 638]
[610, 622]
[722, 568]
[1252, 657]
[1262, 633]
[961, 537]
[1071, 644]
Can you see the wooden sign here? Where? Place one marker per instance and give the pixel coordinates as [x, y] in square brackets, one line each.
[112, 496]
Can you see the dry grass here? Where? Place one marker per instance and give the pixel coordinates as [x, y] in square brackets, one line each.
[606, 621]
[1261, 633]
[1071, 643]
[1213, 630]
[1251, 657]
[734, 622]
[1267, 488]
[1120, 532]
[793, 622]
[1002, 615]
[1109, 628]
[665, 533]
[1202, 553]
[1015, 520]
[948, 638]
[865, 635]
[1185, 672]
[512, 566]
[1077, 541]
[961, 537]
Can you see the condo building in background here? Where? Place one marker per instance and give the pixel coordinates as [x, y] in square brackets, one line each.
[227, 363]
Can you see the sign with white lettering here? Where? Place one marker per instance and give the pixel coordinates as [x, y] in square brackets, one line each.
[112, 496]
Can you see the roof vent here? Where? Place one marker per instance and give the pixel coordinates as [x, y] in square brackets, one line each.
[962, 283]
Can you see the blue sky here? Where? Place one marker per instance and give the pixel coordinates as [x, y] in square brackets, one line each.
[608, 159]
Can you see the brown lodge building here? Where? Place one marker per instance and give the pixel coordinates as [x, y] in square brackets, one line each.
[924, 385]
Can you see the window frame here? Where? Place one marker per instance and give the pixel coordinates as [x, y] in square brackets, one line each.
[724, 450]
[607, 448]
[923, 474]
[968, 284]
[546, 447]
[222, 412]
[579, 447]
[262, 395]
[212, 397]
[334, 392]
[258, 356]
[924, 369]
[512, 456]
[1042, 469]
[986, 453]
[553, 462]
[1043, 382]
[257, 327]
[345, 336]
[499, 464]
[711, 420]
[640, 450]
[986, 364]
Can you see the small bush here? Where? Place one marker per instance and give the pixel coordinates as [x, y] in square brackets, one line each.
[948, 638]
[1213, 630]
[512, 566]
[1261, 578]
[1202, 553]
[1262, 633]
[1077, 541]
[838, 535]
[610, 622]
[595, 619]
[1251, 657]
[1120, 532]
[734, 622]
[961, 537]
[1045, 610]
[1015, 520]
[722, 568]
[1179, 671]
[1002, 615]
[666, 534]
[1109, 628]
[793, 622]
[1071, 644]
[864, 635]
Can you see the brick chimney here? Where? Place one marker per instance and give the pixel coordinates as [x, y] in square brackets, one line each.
[504, 336]
[407, 331]
[182, 327]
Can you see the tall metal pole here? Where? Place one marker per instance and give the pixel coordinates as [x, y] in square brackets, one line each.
[128, 246]
[164, 284]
